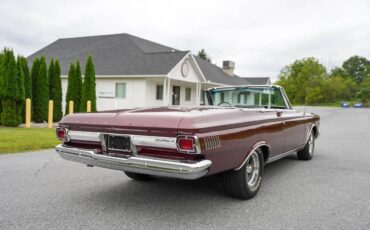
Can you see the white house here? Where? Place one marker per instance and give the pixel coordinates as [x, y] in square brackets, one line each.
[134, 72]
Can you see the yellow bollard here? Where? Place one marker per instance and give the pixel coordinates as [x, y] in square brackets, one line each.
[28, 113]
[50, 117]
[70, 107]
[88, 106]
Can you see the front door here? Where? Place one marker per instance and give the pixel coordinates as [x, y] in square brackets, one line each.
[176, 95]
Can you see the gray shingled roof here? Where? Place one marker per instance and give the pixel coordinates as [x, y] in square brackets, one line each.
[118, 54]
[214, 73]
[257, 80]
[125, 54]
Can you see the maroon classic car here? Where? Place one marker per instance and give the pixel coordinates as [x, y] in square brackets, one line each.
[239, 131]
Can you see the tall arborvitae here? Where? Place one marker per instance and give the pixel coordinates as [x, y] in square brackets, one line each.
[1, 77]
[20, 94]
[88, 87]
[78, 88]
[11, 92]
[27, 78]
[51, 76]
[41, 93]
[34, 72]
[56, 91]
[27, 83]
[70, 87]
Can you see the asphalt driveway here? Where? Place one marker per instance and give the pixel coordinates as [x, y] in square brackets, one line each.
[42, 191]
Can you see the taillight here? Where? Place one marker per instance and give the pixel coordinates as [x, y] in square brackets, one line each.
[188, 144]
[62, 134]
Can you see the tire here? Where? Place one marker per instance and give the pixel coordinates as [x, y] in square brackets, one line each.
[138, 176]
[245, 182]
[306, 153]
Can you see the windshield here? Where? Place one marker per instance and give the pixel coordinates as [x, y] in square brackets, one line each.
[248, 97]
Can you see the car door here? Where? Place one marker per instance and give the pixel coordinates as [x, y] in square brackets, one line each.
[294, 129]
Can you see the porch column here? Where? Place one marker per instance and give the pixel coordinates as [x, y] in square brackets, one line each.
[169, 95]
[164, 91]
[198, 93]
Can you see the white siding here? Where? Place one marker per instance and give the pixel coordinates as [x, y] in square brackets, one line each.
[183, 94]
[151, 92]
[193, 75]
[105, 93]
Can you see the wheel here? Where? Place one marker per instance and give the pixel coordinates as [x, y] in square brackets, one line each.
[245, 182]
[138, 176]
[307, 152]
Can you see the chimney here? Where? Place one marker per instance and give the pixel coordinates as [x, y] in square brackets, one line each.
[228, 67]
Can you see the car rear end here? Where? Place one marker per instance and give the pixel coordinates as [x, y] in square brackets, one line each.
[132, 143]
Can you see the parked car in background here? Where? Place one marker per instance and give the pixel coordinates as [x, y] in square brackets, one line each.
[345, 104]
[358, 105]
[242, 129]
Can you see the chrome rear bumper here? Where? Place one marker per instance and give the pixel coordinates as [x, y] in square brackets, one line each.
[137, 164]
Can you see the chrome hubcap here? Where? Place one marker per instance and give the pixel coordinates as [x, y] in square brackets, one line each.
[252, 169]
[310, 145]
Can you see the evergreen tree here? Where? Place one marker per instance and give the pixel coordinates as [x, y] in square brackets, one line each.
[78, 88]
[70, 87]
[56, 92]
[11, 93]
[41, 93]
[203, 55]
[21, 95]
[34, 72]
[51, 76]
[27, 83]
[27, 77]
[1, 77]
[89, 86]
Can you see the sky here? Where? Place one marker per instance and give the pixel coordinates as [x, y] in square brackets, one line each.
[261, 36]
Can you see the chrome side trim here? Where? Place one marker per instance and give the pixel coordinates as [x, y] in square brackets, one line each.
[286, 99]
[137, 164]
[309, 131]
[197, 145]
[249, 155]
[278, 157]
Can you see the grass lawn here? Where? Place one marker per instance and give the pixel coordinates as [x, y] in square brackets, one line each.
[21, 139]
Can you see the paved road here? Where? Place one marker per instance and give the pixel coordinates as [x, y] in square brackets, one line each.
[41, 191]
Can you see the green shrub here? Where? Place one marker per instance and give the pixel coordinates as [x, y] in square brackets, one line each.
[41, 93]
[70, 87]
[11, 89]
[56, 92]
[89, 86]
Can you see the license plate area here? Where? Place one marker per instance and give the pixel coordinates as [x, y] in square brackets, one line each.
[119, 143]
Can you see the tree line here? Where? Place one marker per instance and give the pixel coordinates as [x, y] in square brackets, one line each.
[41, 84]
[307, 81]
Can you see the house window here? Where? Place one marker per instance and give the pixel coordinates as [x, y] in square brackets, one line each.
[187, 94]
[159, 92]
[120, 90]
